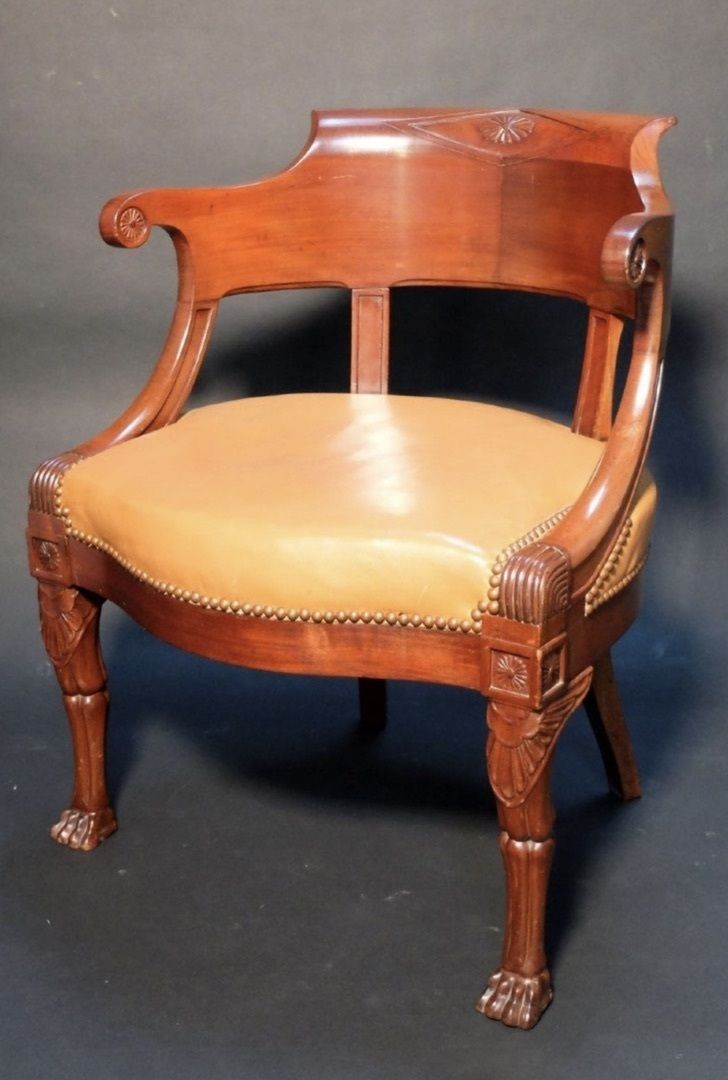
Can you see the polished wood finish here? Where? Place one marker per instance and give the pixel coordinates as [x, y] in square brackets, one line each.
[520, 989]
[568, 204]
[595, 403]
[520, 750]
[369, 341]
[69, 622]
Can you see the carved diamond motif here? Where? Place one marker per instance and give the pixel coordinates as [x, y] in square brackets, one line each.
[501, 137]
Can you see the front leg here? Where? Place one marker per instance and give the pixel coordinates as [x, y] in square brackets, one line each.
[519, 752]
[69, 625]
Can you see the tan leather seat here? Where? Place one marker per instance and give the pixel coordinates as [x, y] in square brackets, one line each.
[320, 504]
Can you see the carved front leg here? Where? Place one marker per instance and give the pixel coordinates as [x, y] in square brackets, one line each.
[69, 625]
[519, 752]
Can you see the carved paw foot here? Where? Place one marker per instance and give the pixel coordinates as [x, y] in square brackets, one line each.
[516, 1000]
[84, 829]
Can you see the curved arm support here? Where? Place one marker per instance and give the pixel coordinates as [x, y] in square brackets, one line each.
[163, 396]
[126, 221]
[123, 223]
[538, 580]
[638, 248]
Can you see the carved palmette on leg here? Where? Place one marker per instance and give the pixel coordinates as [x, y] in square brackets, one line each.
[65, 614]
[69, 627]
[520, 748]
[521, 740]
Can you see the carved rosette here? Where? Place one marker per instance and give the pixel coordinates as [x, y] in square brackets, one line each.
[132, 227]
[636, 267]
[65, 615]
[507, 127]
[509, 672]
[550, 670]
[49, 554]
[521, 740]
[530, 676]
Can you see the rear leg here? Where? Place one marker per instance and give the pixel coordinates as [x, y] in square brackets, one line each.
[610, 729]
[372, 706]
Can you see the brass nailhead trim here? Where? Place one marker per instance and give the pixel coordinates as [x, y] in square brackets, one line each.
[268, 612]
[600, 590]
[608, 567]
[472, 625]
[621, 584]
[492, 604]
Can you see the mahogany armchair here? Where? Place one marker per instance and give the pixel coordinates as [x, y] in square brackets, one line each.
[382, 536]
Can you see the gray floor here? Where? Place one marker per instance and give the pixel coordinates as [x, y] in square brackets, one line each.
[282, 900]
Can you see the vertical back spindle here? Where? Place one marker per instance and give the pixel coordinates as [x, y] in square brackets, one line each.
[593, 411]
[369, 341]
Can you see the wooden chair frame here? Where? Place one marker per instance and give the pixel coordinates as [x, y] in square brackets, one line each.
[588, 186]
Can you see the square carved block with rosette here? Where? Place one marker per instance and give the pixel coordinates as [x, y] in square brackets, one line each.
[387, 536]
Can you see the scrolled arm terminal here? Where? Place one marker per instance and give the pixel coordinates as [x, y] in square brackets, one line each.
[634, 247]
[123, 223]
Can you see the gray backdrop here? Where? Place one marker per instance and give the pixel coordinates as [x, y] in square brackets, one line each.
[280, 901]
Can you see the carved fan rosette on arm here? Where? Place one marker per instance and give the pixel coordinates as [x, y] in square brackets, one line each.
[365, 546]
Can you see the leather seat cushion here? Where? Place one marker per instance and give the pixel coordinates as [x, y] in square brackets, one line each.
[336, 502]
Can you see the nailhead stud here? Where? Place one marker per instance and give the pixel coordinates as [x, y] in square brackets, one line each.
[293, 614]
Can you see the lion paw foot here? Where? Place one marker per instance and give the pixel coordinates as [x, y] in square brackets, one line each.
[516, 1000]
[84, 830]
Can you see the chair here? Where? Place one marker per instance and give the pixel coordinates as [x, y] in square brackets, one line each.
[388, 537]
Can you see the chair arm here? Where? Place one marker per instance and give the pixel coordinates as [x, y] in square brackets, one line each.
[637, 249]
[124, 224]
[635, 245]
[126, 221]
[541, 579]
